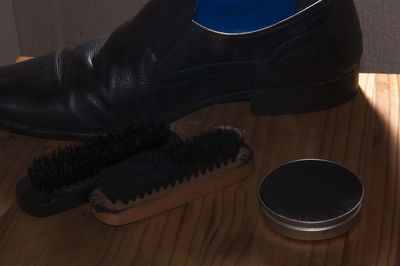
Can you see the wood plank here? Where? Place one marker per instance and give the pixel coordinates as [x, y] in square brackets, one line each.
[225, 228]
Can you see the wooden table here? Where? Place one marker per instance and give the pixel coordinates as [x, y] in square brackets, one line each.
[226, 228]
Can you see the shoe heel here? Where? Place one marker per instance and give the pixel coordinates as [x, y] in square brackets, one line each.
[306, 98]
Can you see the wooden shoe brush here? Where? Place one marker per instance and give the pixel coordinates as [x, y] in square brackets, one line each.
[63, 179]
[162, 179]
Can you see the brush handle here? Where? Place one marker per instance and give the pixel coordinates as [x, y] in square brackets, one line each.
[23, 58]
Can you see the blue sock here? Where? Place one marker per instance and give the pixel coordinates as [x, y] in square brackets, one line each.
[236, 16]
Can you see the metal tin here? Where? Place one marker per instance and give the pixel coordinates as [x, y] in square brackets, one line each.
[302, 229]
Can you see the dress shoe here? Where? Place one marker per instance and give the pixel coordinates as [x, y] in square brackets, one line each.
[171, 59]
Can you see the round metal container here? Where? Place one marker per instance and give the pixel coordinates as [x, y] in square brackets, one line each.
[311, 199]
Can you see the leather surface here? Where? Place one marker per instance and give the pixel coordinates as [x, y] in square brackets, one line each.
[163, 64]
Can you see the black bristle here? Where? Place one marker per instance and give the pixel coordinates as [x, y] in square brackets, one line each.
[74, 164]
[165, 166]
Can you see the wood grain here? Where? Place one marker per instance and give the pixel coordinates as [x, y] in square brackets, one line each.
[225, 228]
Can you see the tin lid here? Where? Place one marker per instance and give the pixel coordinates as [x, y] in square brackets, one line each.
[311, 199]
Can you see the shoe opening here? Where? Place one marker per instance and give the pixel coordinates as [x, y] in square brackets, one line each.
[239, 16]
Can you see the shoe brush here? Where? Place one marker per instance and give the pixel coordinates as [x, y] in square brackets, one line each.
[64, 178]
[162, 179]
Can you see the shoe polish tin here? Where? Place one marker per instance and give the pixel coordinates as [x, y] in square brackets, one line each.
[311, 199]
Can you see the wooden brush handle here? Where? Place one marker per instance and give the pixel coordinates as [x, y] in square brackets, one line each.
[23, 58]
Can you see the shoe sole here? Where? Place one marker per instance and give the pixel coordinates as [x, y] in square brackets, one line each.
[269, 101]
[289, 100]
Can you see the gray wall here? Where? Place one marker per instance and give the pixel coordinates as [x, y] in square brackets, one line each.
[380, 22]
[9, 45]
[45, 25]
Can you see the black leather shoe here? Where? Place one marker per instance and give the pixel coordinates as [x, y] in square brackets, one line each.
[165, 63]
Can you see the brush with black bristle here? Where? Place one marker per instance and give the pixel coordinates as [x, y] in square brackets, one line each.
[162, 179]
[64, 178]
